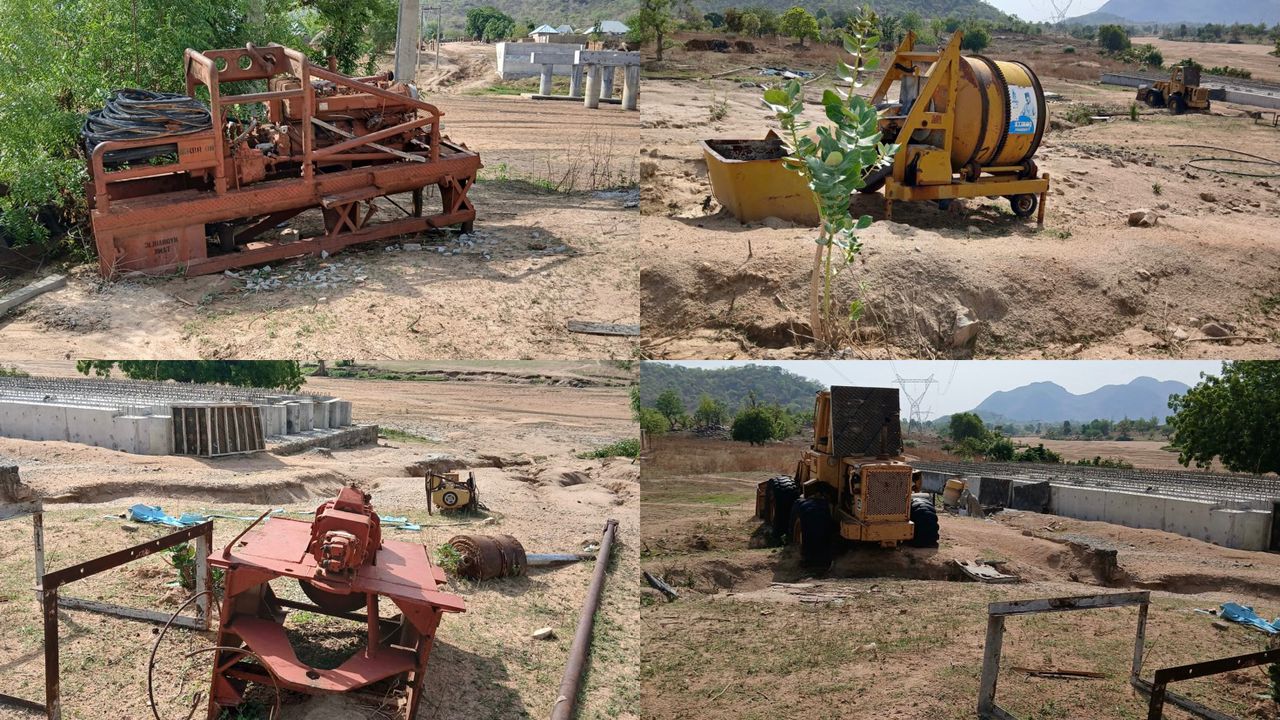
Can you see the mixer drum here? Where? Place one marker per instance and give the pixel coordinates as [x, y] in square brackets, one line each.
[1000, 114]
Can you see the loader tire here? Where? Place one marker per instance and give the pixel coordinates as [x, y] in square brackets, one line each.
[925, 518]
[874, 179]
[782, 493]
[813, 531]
[1177, 104]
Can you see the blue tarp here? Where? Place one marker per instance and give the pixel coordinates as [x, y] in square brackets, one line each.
[1245, 615]
[153, 515]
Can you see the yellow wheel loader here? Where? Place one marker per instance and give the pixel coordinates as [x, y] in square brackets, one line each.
[853, 483]
[1180, 93]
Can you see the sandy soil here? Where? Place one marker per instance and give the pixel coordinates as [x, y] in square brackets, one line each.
[1087, 285]
[543, 257]
[830, 639]
[1253, 57]
[484, 664]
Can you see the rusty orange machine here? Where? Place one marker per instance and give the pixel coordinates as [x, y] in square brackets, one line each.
[342, 564]
[194, 189]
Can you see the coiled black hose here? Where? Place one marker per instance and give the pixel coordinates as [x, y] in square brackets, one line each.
[133, 114]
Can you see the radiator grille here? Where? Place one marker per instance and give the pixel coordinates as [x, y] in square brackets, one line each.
[887, 490]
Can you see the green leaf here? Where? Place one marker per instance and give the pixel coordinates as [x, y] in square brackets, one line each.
[864, 222]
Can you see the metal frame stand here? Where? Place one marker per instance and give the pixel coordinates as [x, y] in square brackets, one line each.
[48, 583]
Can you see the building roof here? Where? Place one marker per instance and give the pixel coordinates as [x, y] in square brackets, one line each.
[565, 29]
[545, 30]
[609, 27]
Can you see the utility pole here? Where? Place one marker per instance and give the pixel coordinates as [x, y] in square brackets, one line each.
[439, 11]
[407, 38]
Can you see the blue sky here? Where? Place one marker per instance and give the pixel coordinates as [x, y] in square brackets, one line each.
[1041, 9]
[963, 384]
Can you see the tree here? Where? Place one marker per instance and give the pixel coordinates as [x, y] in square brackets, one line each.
[1113, 38]
[1000, 450]
[653, 22]
[652, 421]
[671, 406]
[479, 20]
[277, 374]
[967, 425]
[733, 19]
[976, 38]
[752, 425]
[714, 19]
[1231, 417]
[799, 24]
[891, 31]
[751, 24]
[345, 38]
[710, 412]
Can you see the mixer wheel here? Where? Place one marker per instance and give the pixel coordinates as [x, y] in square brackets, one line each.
[1024, 206]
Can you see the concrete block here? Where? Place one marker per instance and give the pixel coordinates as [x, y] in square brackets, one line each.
[1030, 496]
[320, 415]
[293, 418]
[513, 58]
[306, 415]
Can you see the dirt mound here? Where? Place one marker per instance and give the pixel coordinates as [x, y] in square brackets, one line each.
[563, 476]
[274, 491]
[744, 46]
[707, 45]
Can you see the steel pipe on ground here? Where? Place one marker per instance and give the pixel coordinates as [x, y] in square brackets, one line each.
[567, 699]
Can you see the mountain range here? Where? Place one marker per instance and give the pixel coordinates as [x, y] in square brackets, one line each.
[1142, 397]
[927, 9]
[1183, 11]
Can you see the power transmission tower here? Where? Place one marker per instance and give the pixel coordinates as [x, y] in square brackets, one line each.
[916, 417]
[1060, 10]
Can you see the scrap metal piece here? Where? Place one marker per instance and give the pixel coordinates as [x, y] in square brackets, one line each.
[485, 557]
[1159, 695]
[998, 611]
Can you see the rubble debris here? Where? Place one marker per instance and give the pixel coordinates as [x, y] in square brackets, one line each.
[545, 633]
[1245, 615]
[983, 571]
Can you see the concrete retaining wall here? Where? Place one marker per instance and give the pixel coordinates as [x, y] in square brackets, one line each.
[100, 427]
[1245, 525]
[513, 58]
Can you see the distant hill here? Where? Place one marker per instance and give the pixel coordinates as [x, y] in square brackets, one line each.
[1143, 397]
[927, 9]
[730, 386]
[1188, 11]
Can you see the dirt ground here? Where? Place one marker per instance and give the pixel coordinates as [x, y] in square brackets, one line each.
[1141, 453]
[899, 633]
[555, 241]
[521, 439]
[1087, 285]
[1256, 58]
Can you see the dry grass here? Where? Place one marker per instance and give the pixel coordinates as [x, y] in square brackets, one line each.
[590, 161]
[683, 455]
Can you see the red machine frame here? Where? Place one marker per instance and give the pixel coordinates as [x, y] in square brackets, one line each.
[152, 218]
[346, 563]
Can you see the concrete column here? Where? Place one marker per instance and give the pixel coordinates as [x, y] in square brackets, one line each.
[544, 85]
[631, 88]
[407, 40]
[592, 99]
[575, 82]
[606, 84]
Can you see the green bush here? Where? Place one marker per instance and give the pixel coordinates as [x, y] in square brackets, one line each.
[627, 447]
[1069, 50]
[976, 38]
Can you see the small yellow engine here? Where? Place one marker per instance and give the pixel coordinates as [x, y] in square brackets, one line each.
[449, 492]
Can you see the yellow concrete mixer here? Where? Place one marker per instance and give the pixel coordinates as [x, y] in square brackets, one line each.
[967, 126]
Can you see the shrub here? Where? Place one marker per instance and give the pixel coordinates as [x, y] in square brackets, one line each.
[627, 447]
[976, 38]
[1069, 50]
[1113, 38]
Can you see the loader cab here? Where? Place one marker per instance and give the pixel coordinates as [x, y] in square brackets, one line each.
[822, 422]
[1186, 75]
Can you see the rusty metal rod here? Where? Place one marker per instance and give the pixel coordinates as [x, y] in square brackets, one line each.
[567, 699]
